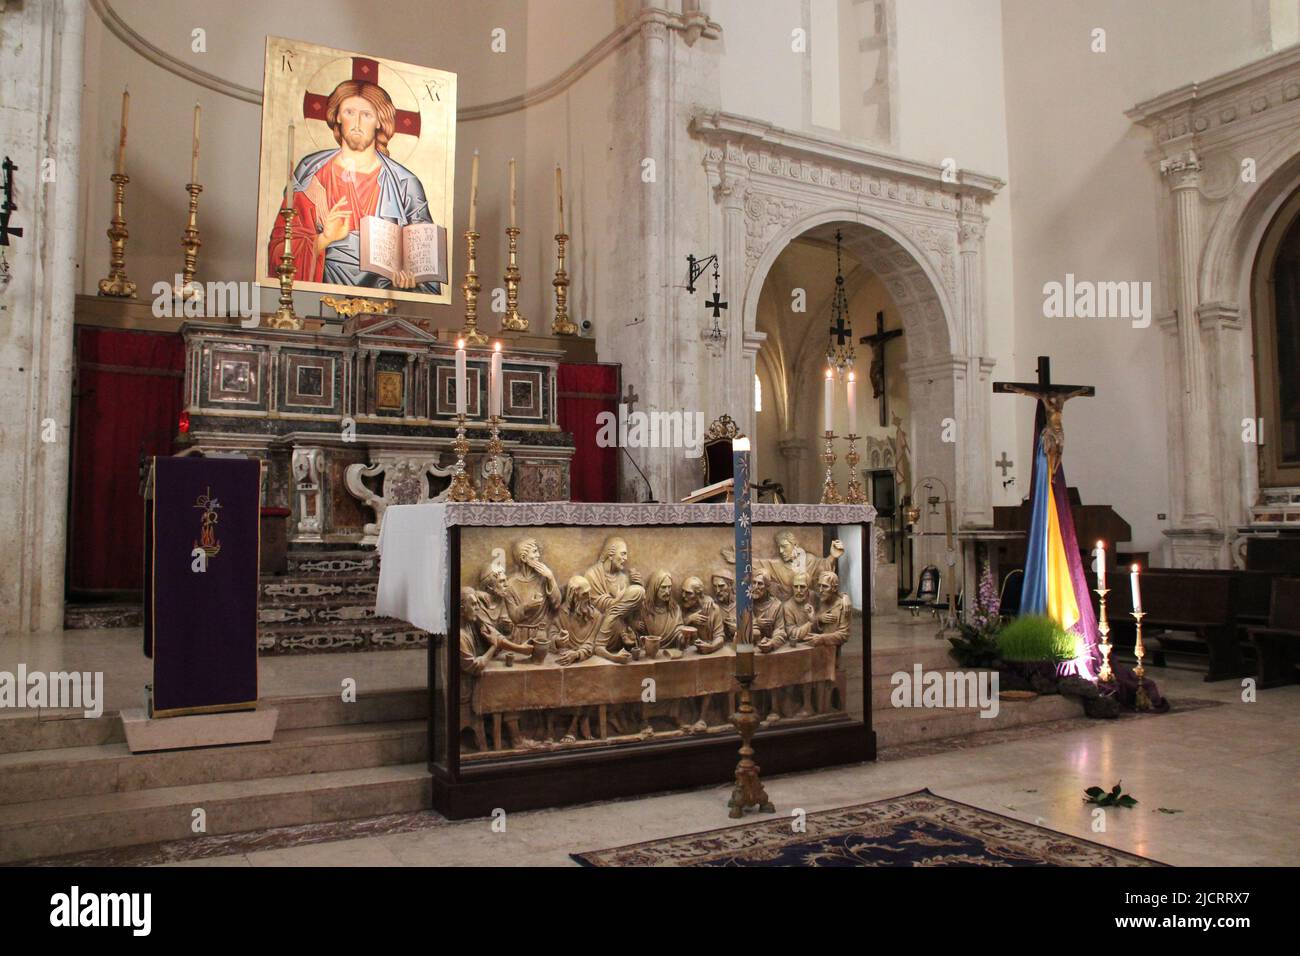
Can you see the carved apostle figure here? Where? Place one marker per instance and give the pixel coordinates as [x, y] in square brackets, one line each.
[578, 625]
[831, 627]
[660, 616]
[724, 594]
[487, 612]
[498, 606]
[766, 608]
[536, 593]
[705, 615]
[617, 591]
[475, 653]
[798, 616]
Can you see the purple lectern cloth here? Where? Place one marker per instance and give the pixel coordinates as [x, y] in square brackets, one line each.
[201, 626]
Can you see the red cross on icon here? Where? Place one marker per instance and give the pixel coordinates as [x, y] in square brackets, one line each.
[314, 104]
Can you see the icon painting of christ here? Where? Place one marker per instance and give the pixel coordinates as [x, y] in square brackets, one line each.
[367, 169]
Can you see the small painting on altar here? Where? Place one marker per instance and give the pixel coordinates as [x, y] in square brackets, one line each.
[369, 164]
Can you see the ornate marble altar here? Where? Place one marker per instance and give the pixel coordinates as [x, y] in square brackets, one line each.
[352, 423]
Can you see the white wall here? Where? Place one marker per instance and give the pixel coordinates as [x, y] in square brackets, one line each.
[1083, 201]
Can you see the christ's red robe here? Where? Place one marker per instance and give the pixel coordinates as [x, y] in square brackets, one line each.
[311, 204]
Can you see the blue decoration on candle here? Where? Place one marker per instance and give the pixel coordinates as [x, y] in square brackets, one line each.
[744, 537]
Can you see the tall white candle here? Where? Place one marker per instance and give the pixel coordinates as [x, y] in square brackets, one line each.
[1137, 591]
[473, 193]
[853, 404]
[828, 401]
[1100, 555]
[494, 381]
[194, 152]
[462, 378]
[121, 136]
[288, 179]
[559, 202]
[512, 191]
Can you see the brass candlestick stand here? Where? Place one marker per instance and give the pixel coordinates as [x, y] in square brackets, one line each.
[513, 320]
[462, 489]
[1105, 675]
[562, 325]
[855, 495]
[189, 289]
[830, 492]
[748, 791]
[470, 287]
[495, 488]
[117, 284]
[284, 317]
[1143, 701]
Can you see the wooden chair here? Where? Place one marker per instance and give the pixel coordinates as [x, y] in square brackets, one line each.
[717, 460]
[1277, 647]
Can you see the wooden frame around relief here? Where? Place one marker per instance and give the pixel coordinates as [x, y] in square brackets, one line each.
[524, 782]
[301, 81]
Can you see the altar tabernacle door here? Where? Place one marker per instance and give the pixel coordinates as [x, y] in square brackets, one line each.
[200, 600]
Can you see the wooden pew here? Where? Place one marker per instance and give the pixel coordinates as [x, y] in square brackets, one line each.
[1205, 603]
[1277, 646]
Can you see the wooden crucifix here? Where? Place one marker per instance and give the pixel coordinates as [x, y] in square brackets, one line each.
[877, 341]
[1053, 398]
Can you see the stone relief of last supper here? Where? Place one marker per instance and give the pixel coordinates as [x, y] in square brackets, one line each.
[569, 641]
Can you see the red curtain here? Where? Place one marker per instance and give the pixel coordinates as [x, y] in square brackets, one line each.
[584, 392]
[128, 400]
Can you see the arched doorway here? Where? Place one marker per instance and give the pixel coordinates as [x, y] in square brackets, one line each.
[1275, 308]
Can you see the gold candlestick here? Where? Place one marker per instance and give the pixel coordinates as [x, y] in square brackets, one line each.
[190, 242]
[562, 324]
[470, 287]
[462, 489]
[855, 495]
[284, 317]
[830, 492]
[117, 284]
[495, 489]
[1143, 701]
[748, 791]
[513, 320]
[1105, 675]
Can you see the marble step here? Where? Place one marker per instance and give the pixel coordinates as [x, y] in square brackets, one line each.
[112, 768]
[906, 725]
[54, 729]
[45, 828]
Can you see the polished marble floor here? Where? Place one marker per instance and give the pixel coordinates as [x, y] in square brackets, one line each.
[1216, 785]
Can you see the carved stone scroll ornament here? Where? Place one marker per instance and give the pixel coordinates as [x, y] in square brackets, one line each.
[308, 466]
[402, 481]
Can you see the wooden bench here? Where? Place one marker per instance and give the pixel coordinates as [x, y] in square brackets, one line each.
[1204, 603]
[1277, 646]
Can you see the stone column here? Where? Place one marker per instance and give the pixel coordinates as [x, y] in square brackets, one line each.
[42, 47]
[975, 462]
[1196, 540]
[1198, 507]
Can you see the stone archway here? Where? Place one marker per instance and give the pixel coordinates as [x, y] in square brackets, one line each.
[1228, 151]
[924, 233]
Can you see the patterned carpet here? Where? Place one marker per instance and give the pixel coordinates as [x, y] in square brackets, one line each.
[918, 829]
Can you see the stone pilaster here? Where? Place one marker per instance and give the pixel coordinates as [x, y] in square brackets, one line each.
[42, 47]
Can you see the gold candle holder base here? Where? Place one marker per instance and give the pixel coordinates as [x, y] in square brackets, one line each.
[1143, 700]
[494, 489]
[284, 317]
[117, 284]
[513, 321]
[1105, 675]
[830, 491]
[748, 791]
[562, 324]
[462, 489]
[187, 289]
[854, 494]
[471, 288]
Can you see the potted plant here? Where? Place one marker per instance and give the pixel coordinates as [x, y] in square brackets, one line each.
[1030, 648]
